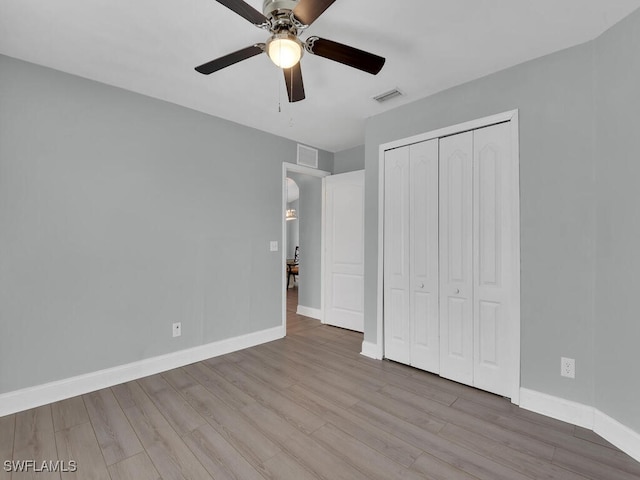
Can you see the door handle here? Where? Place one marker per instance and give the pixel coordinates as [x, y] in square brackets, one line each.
[457, 291]
[421, 285]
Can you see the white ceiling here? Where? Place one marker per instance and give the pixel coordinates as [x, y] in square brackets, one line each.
[152, 46]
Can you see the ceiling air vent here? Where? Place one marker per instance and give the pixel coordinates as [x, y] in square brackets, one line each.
[383, 97]
[307, 156]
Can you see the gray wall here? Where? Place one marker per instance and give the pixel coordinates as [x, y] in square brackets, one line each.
[617, 353]
[310, 236]
[121, 214]
[349, 160]
[557, 204]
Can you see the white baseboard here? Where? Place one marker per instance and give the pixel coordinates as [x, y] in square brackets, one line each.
[309, 312]
[585, 416]
[556, 407]
[39, 395]
[618, 434]
[371, 350]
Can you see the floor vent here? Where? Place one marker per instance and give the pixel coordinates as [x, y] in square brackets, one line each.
[383, 97]
[307, 156]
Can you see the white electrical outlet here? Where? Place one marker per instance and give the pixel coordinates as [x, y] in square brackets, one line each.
[177, 329]
[568, 367]
[273, 245]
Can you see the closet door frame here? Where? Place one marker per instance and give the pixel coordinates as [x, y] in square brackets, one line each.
[376, 350]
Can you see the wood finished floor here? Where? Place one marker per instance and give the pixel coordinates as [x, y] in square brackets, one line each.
[305, 407]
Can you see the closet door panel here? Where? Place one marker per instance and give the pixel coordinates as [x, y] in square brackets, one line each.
[397, 334]
[492, 266]
[423, 233]
[456, 257]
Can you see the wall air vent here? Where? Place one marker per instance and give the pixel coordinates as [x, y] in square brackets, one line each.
[307, 156]
[383, 97]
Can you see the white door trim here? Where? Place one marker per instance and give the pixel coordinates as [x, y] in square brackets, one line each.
[288, 167]
[509, 116]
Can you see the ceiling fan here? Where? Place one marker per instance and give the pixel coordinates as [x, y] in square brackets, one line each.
[286, 20]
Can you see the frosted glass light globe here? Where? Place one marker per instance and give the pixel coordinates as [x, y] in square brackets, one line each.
[284, 50]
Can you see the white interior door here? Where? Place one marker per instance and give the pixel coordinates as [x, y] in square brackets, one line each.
[423, 240]
[456, 257]
[344, 250]
[493, 266]
[397, 330]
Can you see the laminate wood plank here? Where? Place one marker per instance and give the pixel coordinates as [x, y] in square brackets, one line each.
[410, 433]
[350, 368]
[439, 447]
[434, 469]
[290, 356]
[7, 431]
[543, 420]
[164, 446]
[284, 467]
[296, 415]
[403, 399]
[219, 457]
[419, 388]
[232, 425]
[34, 439]
[69, 413]
[526, 464]
[380, 440]
[590, 468]
[462, 391]
[593, 437]
[138, 467]
[213, 361]
[551, 436]
[320, 461]
[129, 395]
[293, 370]
[322, 334]
[365, 459]
[329, 391]
[270, 423]
[405, 411]
[115, 435]
[347, 383]
[79, 443]
[175, 409]
[179, 379]
[267, 374]
[225, 390]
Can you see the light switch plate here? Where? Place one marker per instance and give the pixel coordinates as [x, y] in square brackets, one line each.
[273, 245]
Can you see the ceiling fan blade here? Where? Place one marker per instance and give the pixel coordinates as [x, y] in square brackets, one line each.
[295, 86]
[235, 57]
[307, 11]
[365, 61]
[245, 10]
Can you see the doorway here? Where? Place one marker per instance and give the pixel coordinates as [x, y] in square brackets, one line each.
[305, 295]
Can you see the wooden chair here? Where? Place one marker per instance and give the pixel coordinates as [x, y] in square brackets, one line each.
[292, 267]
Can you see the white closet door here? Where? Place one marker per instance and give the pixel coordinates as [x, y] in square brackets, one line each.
[493, 267]
[344, 250]
[456, 257]
[397, 339]
[423, 234]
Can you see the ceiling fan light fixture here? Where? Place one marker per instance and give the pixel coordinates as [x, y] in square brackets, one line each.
[284, 49]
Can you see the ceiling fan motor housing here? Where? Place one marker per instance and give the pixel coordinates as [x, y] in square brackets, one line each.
[271, 7]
